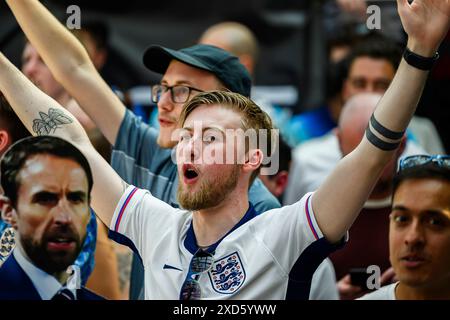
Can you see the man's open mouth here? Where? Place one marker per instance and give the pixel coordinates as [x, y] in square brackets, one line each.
[190, 173]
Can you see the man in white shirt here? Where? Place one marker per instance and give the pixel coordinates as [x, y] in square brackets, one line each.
[419, 235]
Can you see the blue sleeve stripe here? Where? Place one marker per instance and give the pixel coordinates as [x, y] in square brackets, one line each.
[308, 217]
[122, 210]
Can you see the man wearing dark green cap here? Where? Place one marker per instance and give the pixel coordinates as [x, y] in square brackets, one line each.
[141, 155]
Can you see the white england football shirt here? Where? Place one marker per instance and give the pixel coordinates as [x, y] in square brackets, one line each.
[252, 261]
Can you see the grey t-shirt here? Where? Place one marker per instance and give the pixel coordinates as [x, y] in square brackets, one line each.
[140, 161]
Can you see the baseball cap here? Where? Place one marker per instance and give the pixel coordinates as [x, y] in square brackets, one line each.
[222, 64]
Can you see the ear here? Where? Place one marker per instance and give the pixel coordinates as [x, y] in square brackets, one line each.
[247, 62]
[281, 182]
[4, 141]
[9, 214]
[253, 161]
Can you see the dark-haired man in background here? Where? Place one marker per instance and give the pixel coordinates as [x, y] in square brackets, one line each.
[419, 231]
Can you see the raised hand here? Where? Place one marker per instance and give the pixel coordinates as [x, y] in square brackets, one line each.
[426, 22]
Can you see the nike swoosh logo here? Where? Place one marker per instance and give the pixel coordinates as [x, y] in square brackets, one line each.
[166, 266]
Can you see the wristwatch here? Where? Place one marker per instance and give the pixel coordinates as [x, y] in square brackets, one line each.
[418, 61]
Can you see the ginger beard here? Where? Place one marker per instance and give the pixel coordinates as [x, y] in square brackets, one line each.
[210, 191]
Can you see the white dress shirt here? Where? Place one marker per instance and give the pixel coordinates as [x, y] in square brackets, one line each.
[46, 285]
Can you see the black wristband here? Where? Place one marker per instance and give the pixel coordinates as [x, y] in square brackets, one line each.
[385, 132]
[418, 61]
[377, 142]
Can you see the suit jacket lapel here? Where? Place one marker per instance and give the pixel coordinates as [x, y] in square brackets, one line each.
[15, 284]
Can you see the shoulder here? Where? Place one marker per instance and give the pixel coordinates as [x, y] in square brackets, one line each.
[261, 197]
[86, 294]
[132, 123]
[15, 284]
[384, 293]
[135, 198]
[10, 265]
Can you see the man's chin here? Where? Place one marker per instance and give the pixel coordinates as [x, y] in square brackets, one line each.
[55, 262]
[59, 262]
[414, 279]
[192, 200]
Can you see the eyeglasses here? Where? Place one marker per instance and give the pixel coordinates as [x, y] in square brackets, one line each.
[201, 262]
[442, 161]
[178, 94]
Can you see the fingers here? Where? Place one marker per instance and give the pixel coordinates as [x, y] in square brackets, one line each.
[346, 290]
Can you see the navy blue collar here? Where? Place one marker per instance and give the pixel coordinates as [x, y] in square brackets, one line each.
[191, 241]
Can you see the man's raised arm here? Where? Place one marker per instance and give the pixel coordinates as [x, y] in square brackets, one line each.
[44, 116]
[70, 64]
[340, 198]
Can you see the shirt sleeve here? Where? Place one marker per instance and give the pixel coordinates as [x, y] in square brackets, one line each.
[294, 238]
[136, 143]
[139, 218]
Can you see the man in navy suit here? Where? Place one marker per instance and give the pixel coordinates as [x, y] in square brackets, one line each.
[47, 184]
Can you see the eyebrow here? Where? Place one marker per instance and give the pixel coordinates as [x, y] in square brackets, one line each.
[43, 193]
[178, 83]
[399, 208]
[431, 211]
[80, 194]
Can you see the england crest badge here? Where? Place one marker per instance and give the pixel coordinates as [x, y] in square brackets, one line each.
[227, 274]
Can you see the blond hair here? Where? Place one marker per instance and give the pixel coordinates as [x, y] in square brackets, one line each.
[252, 116]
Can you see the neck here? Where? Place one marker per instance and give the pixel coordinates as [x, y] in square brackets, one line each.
[214, 223]
[437, 291]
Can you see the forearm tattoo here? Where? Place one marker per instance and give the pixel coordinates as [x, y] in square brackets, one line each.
[48, 123]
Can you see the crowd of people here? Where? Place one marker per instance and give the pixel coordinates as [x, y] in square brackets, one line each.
[98, 203]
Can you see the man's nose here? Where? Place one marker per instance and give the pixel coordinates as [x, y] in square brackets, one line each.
[415, 235]
[194, 149]
[62, 213]
[165, 101]
[370, 88]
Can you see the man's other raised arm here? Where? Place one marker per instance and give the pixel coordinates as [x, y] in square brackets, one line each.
[340, 198]
[70, 64]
